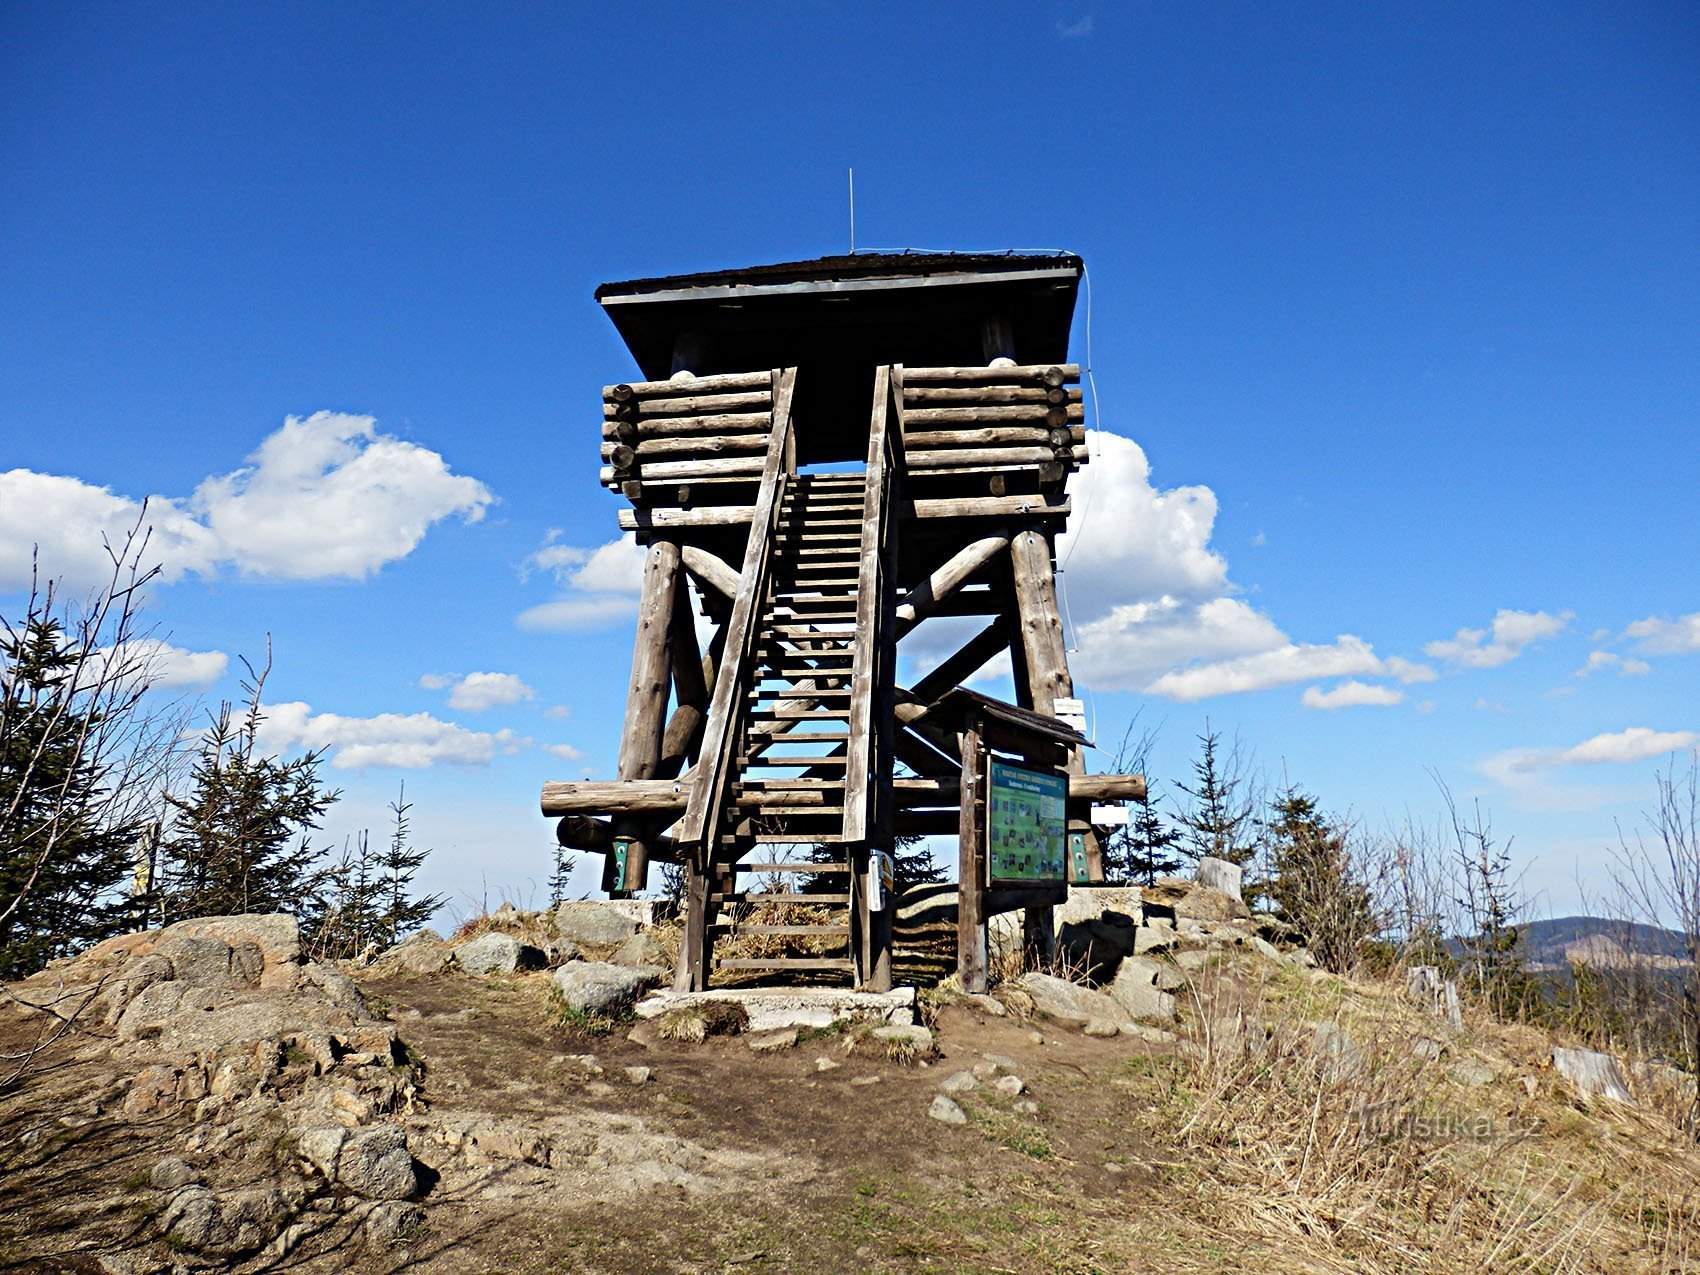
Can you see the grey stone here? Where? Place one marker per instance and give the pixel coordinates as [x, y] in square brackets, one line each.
[1154, 938]
[320, 1148]
[960, 1082]
[823, 1063]
[421, 953]
[1088, 903]
[946, 1112]
[990, 1004]
[1474, 1074]
[1264, 948]
[1026, 1107]
[1191, 900]
[171, 1173]
[637, 1075]
[496, 952]
[597, 987]
[198, 959]
[913, 1034]
[643, 948]
[342, 990]
[276, 934]
[1194, 960]
[770, 1008]
[223, 1225]
[1102, 1028]
[375, 1163]
[1068, 1002]
[1135, 990]
[1014, 1086]
[585, 921]
[394, 1222]
[772, 1042]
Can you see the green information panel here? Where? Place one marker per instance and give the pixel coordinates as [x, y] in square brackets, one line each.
[1025, 822]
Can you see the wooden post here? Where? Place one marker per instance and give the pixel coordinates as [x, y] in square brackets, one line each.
[971, 874]
[646, 706]
[690, 686]
[691, 973]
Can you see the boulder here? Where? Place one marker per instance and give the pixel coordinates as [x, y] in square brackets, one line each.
[959, 1082]
[227, 1225]
[598, 987]
[585, 921]
[393, 1222]
[341, 990]
[1192, 900]
[421, 953]
[1154, 938]
[643, 948]
[497, 953]
[1090, 902]
[1069, 1002]
[201, 960]
[276, 935]
[375, 1163]
[1095, 947]
[946, 1112]
[1136, 990]
[171, 1173]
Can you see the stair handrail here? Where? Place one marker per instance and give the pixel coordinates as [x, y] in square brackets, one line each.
[866, 749]
[715, 769]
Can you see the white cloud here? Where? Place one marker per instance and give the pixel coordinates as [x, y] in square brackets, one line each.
[1352, 694]
[1408, 671]
[323, 496]
[1512, 633]
[1291, 662]
[1137, 642]
[436, 681]
[1523, 770]
[602, 583]
[408, 741]
[1077, 29]
[557, 711]
[477, 692]
[566, 752]
[1626, 665]
[1658, 636]
[167, 666]
[1637, 743]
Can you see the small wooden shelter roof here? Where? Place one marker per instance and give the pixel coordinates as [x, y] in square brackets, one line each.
[956, 706]
[922, 309]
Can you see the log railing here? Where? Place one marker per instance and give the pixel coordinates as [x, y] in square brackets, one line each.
[661, 438]
[1014, 424]
[716, 768]
[869, 747]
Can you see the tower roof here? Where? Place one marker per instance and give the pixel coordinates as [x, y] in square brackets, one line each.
[921, 309]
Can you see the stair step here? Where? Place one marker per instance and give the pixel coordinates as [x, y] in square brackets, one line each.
[771, 714]
[795, 812]
[785, 963]
[801, 737]
[787, 839]
[784, 900]
[835, 869]
[794, 763]
[789, 785]
[817, 693]
[826, 930]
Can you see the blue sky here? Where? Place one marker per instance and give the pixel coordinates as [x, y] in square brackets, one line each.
[1395, 324]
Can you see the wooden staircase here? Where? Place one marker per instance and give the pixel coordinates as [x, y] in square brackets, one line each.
[793, 740]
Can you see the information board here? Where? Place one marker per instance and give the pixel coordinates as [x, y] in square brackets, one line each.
[1025, 824]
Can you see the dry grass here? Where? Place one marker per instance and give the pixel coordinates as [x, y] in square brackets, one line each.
[1319, 1114]
[692, 1024]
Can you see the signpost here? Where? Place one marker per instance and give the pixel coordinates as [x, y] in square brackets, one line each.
[1026, 824]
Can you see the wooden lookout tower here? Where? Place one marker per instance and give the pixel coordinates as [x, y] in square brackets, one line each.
[834, 451]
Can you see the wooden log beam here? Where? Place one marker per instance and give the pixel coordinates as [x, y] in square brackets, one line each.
[729, 382]
[963, 565]
[967, 417]
[971, 958]
[701, 445]
[949, 395]
[688, 470]
[710, 571]
[596, 836]
[665, 798]
[690, 405]
[691, 678]
[958, 667]
[1047, 505]
[978, 457]
[1035, 435]
[1050, 375]
[646, 701]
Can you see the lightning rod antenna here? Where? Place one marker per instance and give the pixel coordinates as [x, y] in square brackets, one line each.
[852, 212]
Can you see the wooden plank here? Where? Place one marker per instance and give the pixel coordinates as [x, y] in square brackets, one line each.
[868, 600]
[824, 931]
[660, 518]
[971, 957]
[732, 381]
[783, 900]
[784, 963]
[707, 445]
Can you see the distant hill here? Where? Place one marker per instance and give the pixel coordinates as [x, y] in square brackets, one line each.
[1600, 940]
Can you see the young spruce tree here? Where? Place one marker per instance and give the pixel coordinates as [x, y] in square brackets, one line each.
[238, 840]
[62, 854]
[1218, 820]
